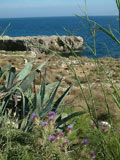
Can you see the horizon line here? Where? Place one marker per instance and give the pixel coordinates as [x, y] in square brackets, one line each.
[58, 16]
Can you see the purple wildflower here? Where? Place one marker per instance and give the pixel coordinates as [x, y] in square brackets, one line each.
[52, 138]
[70, 127]
[85, 141]
[60, 145]
[51, 113]
[93, 155]
[34, 115]
[44, 124]
[60, 134]
[67, 141]
[51, 118]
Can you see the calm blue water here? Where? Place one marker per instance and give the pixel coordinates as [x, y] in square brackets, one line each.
[56, 25]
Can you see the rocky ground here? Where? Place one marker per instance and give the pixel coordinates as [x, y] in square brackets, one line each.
[57, 69]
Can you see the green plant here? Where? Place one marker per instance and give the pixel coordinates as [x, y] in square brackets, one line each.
[118, 6]
[44, 140]
[24, 107]
[22, 99]
[105, 142]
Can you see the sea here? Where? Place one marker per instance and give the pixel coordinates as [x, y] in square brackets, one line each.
[78, 26]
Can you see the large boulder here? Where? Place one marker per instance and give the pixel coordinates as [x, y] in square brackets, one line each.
[42, 44]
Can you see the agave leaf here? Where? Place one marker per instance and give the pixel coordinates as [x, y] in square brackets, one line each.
[31, 102]
[25, 108]
[64, 120]
[30, 78]
[41, 66]
[11, 77]
[59, 100]
[25, 72]
[47, 96]
[4, 104]
[51, 85]
[24, 105]
[28, 81]
[29, 93]
[64, 115]
[42, 91]
[4, 71]
[3, 89]
[38, 103]
[48, 107]
[60, 116]
[39, 98]
[5, 68]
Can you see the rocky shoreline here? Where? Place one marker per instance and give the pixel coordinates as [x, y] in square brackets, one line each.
[41, 44]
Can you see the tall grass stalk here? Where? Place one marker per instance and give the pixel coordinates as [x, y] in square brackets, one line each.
[108, 153]
[118, 6]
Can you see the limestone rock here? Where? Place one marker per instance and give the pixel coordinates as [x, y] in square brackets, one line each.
[41, 44]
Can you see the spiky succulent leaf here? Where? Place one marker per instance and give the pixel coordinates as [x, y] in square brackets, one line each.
[30, 77]
[51, 85]
[5, 68]
[41, 66]
[4, 104]
[4, 72]
[24, 106]
[59, 100]
[42, 91]
[25, 72]
[49, 105]
[64, 120]
[27, 81]
[11, 77]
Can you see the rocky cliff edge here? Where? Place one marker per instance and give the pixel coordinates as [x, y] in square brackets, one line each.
[41, 44]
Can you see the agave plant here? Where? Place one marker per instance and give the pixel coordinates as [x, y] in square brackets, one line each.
[18, 93]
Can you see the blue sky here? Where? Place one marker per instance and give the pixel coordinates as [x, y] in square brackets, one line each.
[45, 8]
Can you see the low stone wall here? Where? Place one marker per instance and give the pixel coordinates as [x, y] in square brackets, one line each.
[41, 44]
